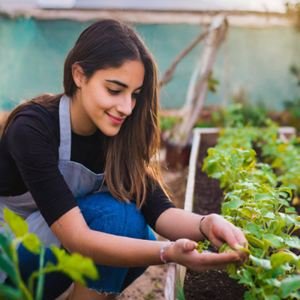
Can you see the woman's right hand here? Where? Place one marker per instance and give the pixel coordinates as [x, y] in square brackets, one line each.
[184, 252]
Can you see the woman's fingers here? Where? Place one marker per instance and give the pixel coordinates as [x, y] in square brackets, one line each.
[224, 234]
[189, 245]
[234, 237]
[240, 238]
[221, 231]
[207, 260]
[235, 240]
[183, 252]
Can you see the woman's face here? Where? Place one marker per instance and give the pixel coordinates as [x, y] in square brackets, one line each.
[106, 99]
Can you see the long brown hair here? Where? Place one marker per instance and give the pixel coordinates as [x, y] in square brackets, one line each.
[131, 167]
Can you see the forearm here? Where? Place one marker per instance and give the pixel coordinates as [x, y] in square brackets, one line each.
[176, 223]
[107, 249]
[114, 250]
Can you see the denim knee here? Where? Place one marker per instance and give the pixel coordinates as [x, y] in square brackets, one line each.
[104, 213]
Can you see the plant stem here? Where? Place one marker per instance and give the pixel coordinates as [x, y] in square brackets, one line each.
[20, 283]
[40, 272]
[41, 278]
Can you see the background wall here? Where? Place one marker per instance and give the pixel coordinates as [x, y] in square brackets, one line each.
[256, 60]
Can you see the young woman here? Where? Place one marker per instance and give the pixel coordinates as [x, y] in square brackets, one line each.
[80, 167]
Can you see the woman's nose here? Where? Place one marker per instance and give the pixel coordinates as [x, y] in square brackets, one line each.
[126, 105]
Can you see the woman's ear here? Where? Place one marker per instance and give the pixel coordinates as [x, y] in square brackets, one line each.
[78, 75]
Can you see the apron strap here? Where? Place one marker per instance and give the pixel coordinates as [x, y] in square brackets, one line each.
[64, 128]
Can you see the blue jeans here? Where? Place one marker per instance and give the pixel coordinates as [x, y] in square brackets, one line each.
[103, 213]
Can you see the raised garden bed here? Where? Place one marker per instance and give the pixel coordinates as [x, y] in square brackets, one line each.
[204, 196]
[207, 197]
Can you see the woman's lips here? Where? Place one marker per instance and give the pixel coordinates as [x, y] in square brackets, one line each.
[116, 120]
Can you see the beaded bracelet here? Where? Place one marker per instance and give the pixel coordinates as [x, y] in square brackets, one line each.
[200, 229]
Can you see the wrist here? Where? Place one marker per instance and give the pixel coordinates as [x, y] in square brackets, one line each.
[164, 253]
[202, 221]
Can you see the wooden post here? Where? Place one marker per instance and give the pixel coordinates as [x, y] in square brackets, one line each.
[197, 90]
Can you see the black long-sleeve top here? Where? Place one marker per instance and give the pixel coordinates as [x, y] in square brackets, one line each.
[29, 161]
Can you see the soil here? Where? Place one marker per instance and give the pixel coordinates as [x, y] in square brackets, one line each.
[208, 196]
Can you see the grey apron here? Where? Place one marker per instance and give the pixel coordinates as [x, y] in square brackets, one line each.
[79, 179]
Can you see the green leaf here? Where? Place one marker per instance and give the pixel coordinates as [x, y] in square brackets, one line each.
[17, 225]
[288, 219]
[233, 204]
[293, 242]
[260, 262]
[7, 292]
[269, 215]
[281, 258]
[274, 240]
[32, 243]
[231, 270]
[246, 277]
[273, 282]
[75, 265]
[255, 242]
[8, 267]
[272, 297]
[289, 285]
[285, 192]
[249, 296]
[263, 197]
[254, 229]
[289, 210]
[5, 243]
[202, 245]
[246, 213]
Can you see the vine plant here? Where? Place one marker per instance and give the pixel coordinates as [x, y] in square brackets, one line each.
[257, 196]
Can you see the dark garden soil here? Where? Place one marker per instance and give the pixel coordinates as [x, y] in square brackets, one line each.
[209, 285]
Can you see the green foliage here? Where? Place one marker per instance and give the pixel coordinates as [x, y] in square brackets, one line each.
[74, 265]
[257, 199]
[203, 245]
[168, 122]
[242, 114]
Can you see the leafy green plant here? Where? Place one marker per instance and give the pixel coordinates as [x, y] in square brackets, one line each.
[243, 114]
[203, 246]
[77, 267]
[168, 122]
[257, 200]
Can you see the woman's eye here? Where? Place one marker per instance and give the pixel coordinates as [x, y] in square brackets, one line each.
[113, 92]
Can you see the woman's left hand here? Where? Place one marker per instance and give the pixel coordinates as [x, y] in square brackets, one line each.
[220, 231]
